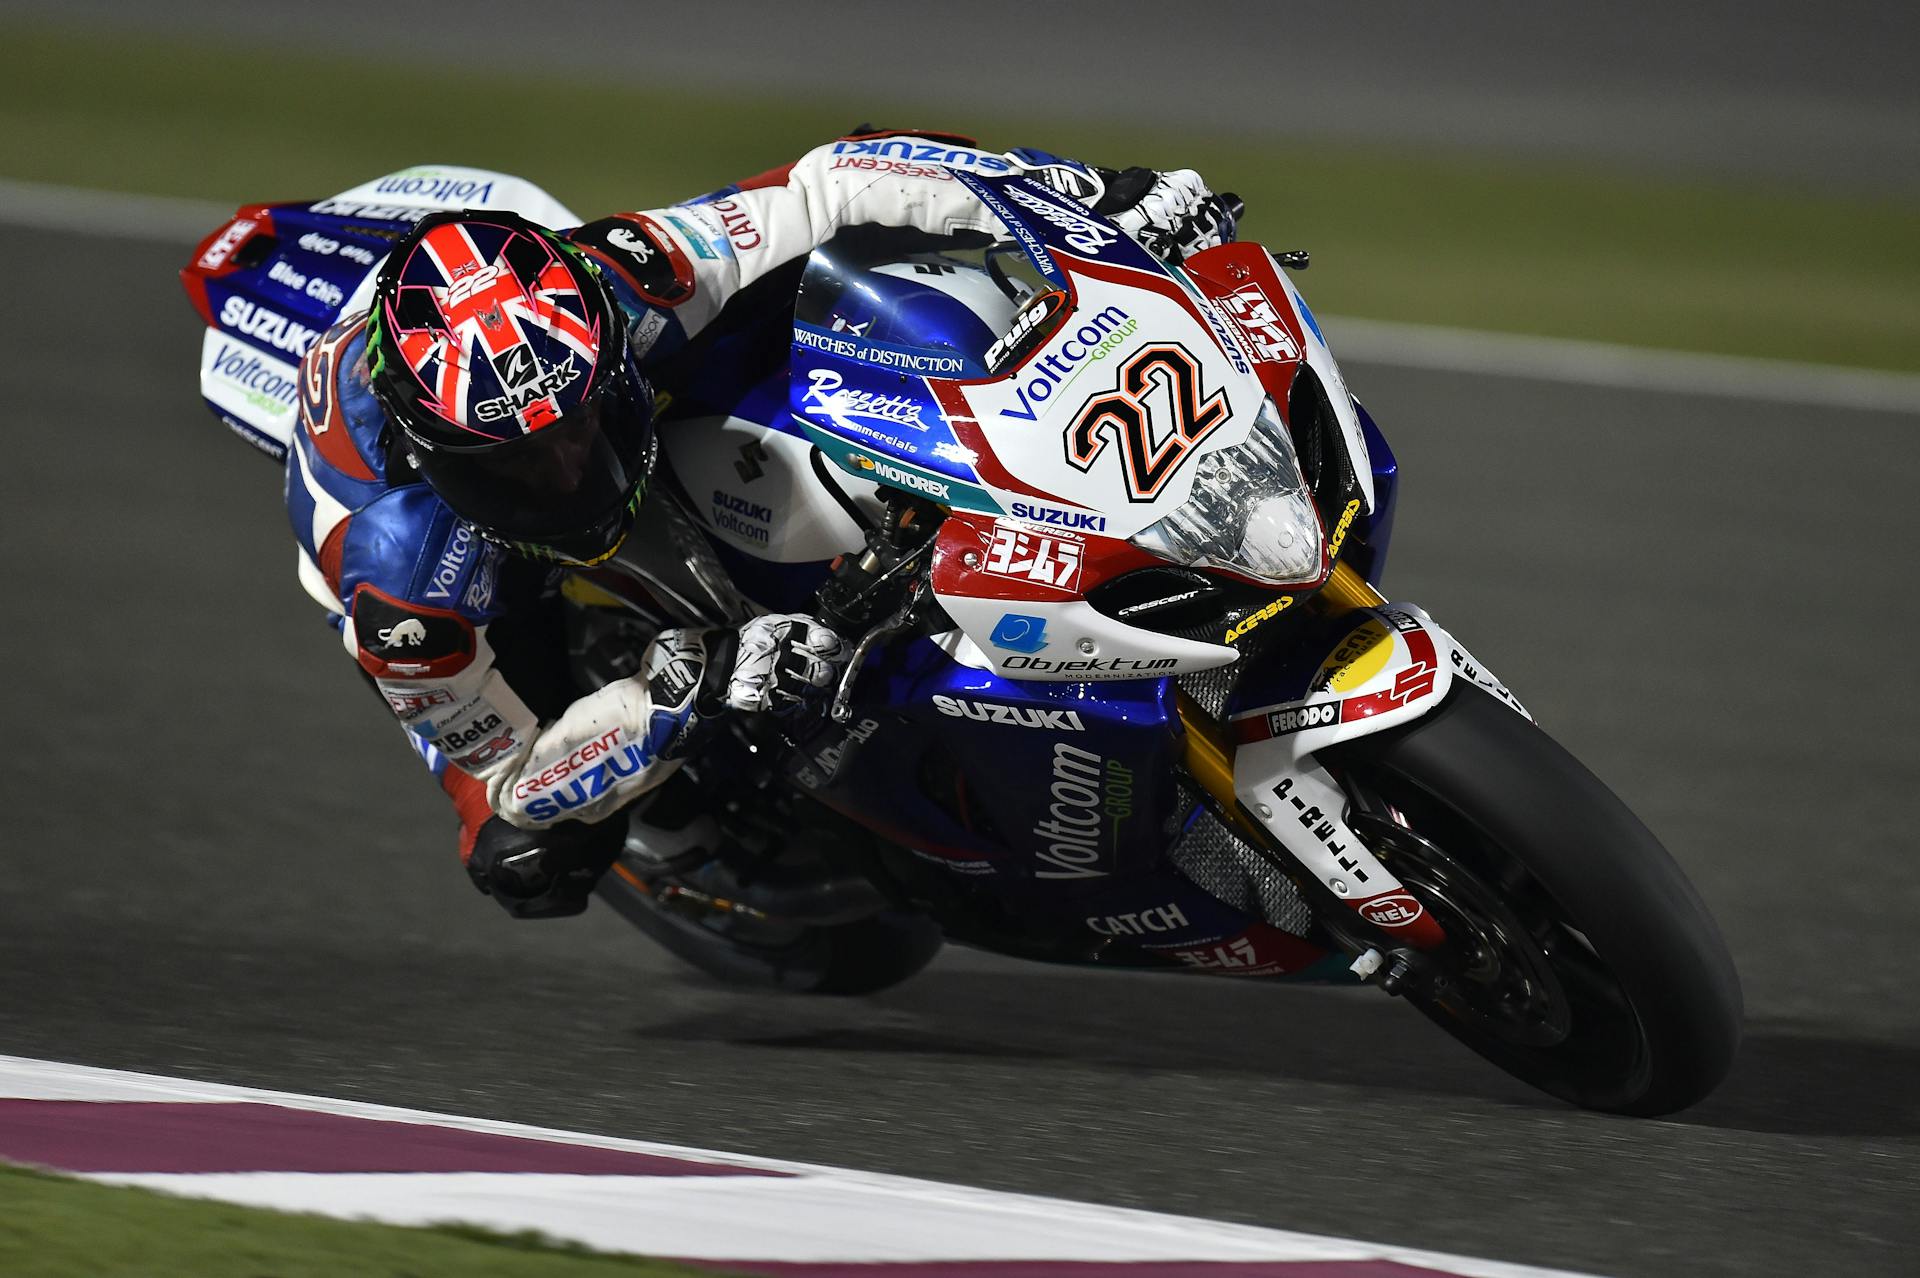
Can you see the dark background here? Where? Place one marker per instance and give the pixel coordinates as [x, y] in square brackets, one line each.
[1811, 94]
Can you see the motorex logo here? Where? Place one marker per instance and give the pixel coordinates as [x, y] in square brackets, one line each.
[1048, 376]
[1018, 632]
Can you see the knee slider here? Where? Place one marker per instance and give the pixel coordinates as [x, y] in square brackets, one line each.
[543, 874]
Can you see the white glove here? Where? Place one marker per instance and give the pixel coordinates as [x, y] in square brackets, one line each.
[1178, 216]
[783, 660]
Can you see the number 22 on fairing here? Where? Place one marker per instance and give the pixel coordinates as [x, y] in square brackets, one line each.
[1126, 415]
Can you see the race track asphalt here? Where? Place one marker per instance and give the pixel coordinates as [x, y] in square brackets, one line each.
[222, 862]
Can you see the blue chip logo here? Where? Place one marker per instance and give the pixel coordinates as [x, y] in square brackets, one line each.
[1019, 633]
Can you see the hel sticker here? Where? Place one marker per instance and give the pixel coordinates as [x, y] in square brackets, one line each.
[1397, 909]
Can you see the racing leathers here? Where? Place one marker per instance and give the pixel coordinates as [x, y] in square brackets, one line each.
[464, 639]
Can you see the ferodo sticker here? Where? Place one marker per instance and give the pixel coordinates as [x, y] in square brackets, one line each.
[1357, 658]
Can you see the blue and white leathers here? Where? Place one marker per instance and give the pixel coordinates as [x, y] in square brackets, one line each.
[446, 624]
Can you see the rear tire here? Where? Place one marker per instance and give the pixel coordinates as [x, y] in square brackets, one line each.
[1580, 959]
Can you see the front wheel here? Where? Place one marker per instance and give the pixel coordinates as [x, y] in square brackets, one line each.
[1579, 958]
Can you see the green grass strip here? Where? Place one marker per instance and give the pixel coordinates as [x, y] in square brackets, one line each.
[55, 1227]
[1450, 239]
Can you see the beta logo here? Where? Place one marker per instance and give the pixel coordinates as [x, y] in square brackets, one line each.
[1017, 632]
[472, 734]
[1396, 909]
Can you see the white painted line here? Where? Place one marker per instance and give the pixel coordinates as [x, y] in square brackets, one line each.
[161, 219]
[168, 220]
[1559, 359]
[819, 1214]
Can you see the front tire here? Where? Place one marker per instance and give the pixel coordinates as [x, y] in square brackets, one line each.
[1580, 959]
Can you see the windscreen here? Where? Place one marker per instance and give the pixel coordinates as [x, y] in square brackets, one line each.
[934, 305]
[883, 317]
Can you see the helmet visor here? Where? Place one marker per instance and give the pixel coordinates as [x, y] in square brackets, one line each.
[564, 487]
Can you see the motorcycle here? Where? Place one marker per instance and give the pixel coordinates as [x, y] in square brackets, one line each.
[1124, 693]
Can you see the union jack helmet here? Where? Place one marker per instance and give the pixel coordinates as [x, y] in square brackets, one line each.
[503, 357]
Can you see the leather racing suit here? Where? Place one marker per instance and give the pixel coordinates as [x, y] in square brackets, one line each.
[464, 640]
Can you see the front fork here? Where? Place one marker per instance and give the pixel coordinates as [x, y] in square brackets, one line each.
[1289, 807]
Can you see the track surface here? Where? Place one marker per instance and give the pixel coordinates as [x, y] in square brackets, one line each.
[223, 862]
[1776, 90]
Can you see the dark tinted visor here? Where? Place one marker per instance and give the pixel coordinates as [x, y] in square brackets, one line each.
[552, 484]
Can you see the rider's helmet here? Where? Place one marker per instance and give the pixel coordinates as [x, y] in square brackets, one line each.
[502, 356]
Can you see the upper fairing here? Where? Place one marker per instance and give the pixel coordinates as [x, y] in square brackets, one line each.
[1046, 438]
[1058, 423]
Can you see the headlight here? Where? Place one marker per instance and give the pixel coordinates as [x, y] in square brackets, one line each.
[1249, 511]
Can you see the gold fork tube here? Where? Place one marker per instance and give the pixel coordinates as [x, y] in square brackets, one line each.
[1347, 590]
[1209, 750]
[1209, 761]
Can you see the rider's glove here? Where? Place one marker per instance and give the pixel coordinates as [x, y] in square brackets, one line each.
[783, 661]
[1172, 215]
[544, 874]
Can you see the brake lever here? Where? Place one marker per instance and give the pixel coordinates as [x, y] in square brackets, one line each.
[842, 710]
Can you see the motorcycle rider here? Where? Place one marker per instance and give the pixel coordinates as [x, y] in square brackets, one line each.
[487, 427]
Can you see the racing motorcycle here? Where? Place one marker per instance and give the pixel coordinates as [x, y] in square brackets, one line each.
[1124, 694]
